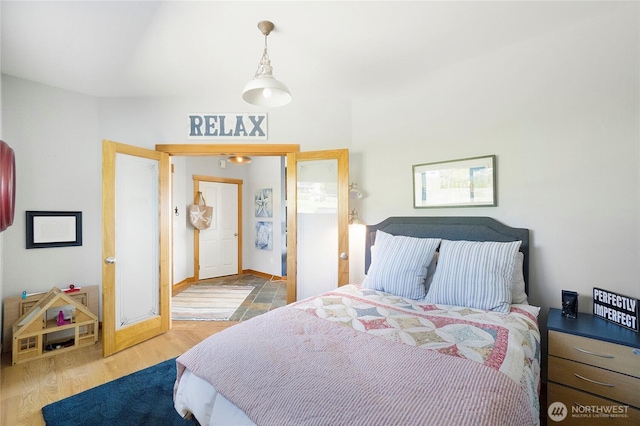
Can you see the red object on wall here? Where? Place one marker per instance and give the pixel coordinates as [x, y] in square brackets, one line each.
[7, 185]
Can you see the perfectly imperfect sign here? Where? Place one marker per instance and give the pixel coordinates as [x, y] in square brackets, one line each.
[614, 307]
[228, 125]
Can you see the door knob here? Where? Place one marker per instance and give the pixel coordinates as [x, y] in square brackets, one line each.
[344, 256]
[110, 260]
[235, 235]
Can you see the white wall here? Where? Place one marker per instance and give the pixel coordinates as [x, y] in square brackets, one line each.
[58, 167]
[560, 111]
[263, 173]
[180, 261]
[313, 123]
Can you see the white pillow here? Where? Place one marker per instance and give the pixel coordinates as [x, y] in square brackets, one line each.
[400, 264]
[475, 274]
[518, 295]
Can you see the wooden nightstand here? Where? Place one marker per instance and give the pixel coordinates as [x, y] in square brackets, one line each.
[593, 368]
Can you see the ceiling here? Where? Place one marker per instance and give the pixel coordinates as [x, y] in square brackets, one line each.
[341, 49]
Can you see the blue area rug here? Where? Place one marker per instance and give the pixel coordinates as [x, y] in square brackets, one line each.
[141, 398]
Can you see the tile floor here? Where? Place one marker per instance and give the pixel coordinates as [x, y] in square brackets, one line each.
[266, 295]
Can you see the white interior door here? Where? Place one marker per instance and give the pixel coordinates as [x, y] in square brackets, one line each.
[318, 217]
[136, 218]
[218, 245]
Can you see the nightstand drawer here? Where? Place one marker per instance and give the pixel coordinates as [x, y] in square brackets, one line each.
[582, 408]
[607, 355]
[608, 384]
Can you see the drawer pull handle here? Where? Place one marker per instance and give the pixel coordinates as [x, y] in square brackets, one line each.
[593, 353]
[593, 381]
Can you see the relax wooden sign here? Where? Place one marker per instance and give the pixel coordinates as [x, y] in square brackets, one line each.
[228, 125]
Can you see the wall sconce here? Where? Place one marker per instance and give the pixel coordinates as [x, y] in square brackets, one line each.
[354, 192]
[354, 219]
[264, 89]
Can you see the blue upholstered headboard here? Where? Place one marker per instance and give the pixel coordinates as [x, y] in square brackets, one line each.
[451, 228]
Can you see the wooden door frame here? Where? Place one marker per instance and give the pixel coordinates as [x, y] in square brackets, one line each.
[256, 150]
[199, 150]
[114, 340]
[196, 233]
[342, 157]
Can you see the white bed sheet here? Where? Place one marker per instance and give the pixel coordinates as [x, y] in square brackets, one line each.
[199, 398]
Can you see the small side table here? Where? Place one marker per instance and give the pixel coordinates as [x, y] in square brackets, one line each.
[593, 371]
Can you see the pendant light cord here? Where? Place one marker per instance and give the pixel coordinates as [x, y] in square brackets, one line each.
[264, 67]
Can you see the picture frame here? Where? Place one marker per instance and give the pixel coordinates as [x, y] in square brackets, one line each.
[53, 229]
[569, 304]
[264, 202]
[467, 182]
[264, 235]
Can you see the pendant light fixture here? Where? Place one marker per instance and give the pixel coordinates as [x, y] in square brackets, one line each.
[264, 90]
[239, 159]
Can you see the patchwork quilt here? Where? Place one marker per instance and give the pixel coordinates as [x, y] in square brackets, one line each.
[507, 343]
[358, 356]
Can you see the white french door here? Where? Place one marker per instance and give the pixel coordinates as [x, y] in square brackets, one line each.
[136, 227]
[137, 231]
[317, 222]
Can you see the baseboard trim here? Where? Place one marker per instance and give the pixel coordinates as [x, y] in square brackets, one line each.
[182, 285]
[188, 282]
[263, 275]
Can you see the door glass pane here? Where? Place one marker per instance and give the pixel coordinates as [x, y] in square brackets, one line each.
[137, 240]
[317, 206]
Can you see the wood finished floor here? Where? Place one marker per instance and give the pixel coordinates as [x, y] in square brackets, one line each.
[26, 388]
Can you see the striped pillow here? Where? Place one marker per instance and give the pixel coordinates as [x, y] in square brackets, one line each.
[400, 264]
[475, 274]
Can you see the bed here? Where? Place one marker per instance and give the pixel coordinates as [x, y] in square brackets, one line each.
[440, 331]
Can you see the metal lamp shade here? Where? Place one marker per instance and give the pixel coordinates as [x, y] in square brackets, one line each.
[266, 91]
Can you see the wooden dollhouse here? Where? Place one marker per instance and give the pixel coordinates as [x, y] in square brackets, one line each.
[56, 323]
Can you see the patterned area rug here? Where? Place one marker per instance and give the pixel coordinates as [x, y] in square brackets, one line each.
[208, 303]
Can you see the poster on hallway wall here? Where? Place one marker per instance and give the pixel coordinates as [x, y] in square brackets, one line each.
[264, 235]
[228, 126]
[264, 205]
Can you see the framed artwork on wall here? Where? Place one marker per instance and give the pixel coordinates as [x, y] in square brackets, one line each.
[468, 182]
[264, 235]
[53, 229]
[264, 203]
